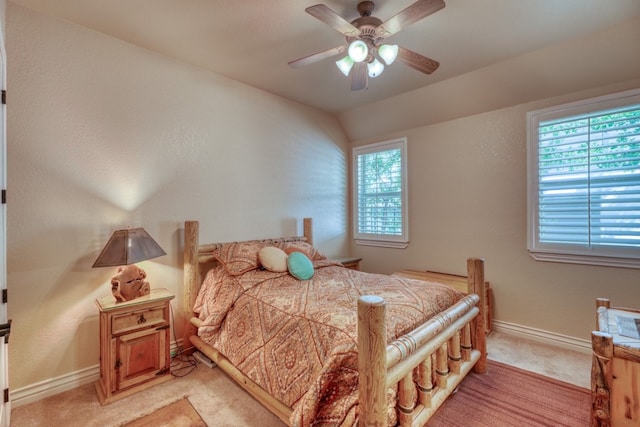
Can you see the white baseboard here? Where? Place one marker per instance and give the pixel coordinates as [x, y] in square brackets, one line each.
[42, 389]
[53, 386]
[546, 337]
[46, 388]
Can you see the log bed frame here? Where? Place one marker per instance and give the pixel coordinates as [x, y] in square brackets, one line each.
[444, 349]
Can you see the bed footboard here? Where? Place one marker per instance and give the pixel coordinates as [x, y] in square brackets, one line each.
[454, 340]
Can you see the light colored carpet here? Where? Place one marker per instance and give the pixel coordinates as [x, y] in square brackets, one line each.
[571, 366]
[218, 400]
[176, 414]
[221, 403]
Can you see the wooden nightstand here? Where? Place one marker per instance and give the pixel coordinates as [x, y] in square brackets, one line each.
[615, 369]
[350, 262]
[134, 344]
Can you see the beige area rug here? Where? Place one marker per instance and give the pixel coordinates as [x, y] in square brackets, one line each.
[176, 414]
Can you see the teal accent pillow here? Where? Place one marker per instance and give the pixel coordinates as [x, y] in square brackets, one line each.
[300, 266]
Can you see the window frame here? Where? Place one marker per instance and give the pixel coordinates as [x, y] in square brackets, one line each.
[569, 253]
[384, 240]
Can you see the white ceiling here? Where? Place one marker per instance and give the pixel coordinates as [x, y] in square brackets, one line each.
[253, 40]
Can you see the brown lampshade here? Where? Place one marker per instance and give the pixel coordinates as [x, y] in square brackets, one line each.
[128, 247]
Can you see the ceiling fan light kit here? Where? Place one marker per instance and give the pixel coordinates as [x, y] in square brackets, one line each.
[375, 68]
[364, 36]
[358, 51]
[388, 53]
[345, 65]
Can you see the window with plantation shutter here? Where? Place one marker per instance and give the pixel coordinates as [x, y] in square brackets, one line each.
[584, 181]
[380, 194]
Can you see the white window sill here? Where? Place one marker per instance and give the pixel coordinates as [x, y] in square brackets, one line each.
[382, 243]
[607, 261]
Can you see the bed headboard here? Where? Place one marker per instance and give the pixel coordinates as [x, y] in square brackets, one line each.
[199, 258]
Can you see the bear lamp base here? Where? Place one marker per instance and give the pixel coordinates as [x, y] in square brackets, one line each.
[129, 283]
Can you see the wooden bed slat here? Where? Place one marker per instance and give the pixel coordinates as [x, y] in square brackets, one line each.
[425, 384]
[455, 357]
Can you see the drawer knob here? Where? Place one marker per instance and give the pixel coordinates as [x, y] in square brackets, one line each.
[141, 319]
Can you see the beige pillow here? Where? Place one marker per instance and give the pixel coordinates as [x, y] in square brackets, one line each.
[273, 259]
[300, 246]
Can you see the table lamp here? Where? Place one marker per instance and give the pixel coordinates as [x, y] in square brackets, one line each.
[125, 248]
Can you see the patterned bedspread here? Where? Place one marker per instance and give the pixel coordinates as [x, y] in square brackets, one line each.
[298, 339]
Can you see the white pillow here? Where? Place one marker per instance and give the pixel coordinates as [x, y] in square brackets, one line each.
[273, 259]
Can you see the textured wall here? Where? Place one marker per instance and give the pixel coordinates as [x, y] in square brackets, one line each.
[104, 135]
[468, 178]
[467, 197]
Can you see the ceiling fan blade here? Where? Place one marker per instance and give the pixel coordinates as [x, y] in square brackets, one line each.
[332, 19]
[417, 61]
[359, 77]
[318, 56]
[409, 15]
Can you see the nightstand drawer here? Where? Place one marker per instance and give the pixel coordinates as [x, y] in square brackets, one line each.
[138, 319]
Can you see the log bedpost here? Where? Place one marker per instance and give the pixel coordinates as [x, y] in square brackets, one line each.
[308, 229]
[476, 285]
[190, 269]
[601, 379]
[601, 372]
[602, 322]
[372, 361]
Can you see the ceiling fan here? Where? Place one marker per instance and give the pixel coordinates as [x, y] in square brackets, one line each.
[366, 52]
